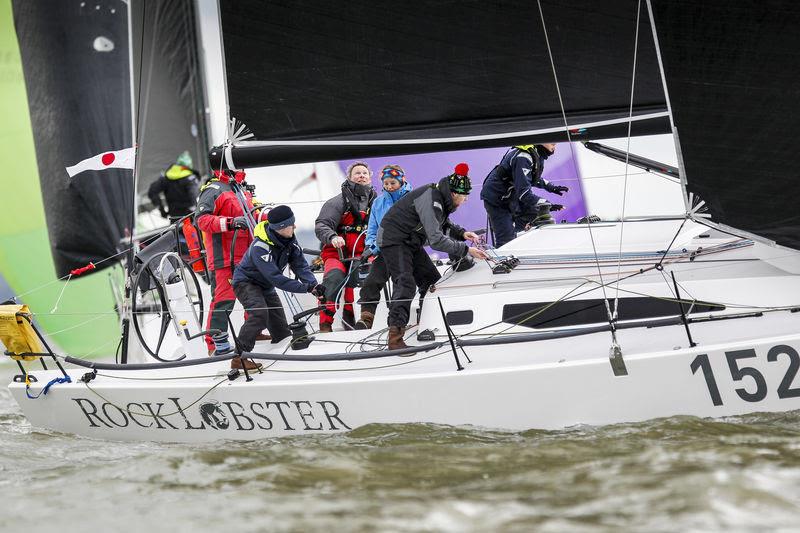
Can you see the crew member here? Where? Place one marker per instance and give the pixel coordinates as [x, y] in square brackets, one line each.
[395, 187]
[507, 194]
[180, 184]
[341, 227]
[219, 216]
[261, 271]
[420, 216]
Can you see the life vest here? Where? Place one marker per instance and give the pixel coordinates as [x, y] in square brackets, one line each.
[193, 244]
[353, 220]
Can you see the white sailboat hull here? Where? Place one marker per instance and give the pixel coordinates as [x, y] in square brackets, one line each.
[746, 358]
[521, 394]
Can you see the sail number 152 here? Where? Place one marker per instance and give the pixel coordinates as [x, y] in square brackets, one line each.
[737, 364]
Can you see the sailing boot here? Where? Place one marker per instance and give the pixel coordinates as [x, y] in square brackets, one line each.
[326, 327]
[365, 322]
[263, 337]
[236, 363]
[348, 320]
[396, 338]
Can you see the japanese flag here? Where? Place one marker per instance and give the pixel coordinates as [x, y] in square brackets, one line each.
[119, 159]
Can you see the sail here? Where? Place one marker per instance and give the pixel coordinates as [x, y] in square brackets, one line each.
[77, 77]
[81, 96]
[325, 81]
[731, 75]
[168, 87]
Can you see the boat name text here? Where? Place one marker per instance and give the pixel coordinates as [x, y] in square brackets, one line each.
[294, 415]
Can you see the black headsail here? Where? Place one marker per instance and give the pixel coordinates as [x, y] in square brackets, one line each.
[327, 80]
[77, 77]
[731, 70]
[168, 86]
[77, 64]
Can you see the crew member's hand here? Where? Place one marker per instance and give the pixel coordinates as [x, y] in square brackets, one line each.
[471, 236]
[337, 242]
[239, 223]
[477, 253]
[559, 189]
[366, 254]
[317, 290]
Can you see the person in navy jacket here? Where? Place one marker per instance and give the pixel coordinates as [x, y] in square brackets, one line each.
[260, 272]
[395, 187]
[507, 191]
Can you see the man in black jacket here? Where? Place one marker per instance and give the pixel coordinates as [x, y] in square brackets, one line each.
[180, 184]
[418, 217]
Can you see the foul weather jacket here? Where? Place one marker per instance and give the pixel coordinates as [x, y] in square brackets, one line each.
[180, 186]
[379, 208]
[216, 209]
[264, 262]
[508, 185]
[420, 216]
[345, 215]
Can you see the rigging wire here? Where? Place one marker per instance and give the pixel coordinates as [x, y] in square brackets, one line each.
[572, 151]
[627, 156]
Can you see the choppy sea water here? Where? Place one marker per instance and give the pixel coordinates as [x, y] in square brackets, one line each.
[675, 474]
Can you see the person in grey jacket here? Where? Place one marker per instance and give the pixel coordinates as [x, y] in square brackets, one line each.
[418, 217]
[341, 228]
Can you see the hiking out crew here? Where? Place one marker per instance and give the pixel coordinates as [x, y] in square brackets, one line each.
[260, 272]
[341, 227]
[418, 217]
[219, 215]
[507, 194]
[394, 187]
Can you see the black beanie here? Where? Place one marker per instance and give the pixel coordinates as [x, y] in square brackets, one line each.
[280, 217]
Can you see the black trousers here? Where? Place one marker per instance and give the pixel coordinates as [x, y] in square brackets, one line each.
[370, 294]
[264, 309]
[409, 268]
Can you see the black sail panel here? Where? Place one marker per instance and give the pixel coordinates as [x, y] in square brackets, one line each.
[168, 87]
[731, 70]
[75, 62]
[364, 69]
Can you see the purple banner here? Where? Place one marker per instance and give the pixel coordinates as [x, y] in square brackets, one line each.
[429, 168]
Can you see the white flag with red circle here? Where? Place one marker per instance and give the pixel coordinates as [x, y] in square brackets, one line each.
[118, 159]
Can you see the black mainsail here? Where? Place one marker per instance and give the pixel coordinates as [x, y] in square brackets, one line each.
[320, 81]
[323, 81]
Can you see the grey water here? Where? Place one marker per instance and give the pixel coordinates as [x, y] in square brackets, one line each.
[675, 474]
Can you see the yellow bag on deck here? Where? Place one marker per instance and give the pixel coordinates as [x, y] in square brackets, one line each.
[17, 333]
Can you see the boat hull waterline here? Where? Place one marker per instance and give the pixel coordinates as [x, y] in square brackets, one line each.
[710, 381]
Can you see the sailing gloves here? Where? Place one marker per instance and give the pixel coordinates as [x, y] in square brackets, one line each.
[366, 254]
[317, 290]
[236, 223]
[557, 189]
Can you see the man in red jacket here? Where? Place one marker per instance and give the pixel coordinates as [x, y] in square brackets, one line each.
[219, 216]
[341, 228]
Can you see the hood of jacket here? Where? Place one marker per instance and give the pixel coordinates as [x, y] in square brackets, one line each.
[444, 188]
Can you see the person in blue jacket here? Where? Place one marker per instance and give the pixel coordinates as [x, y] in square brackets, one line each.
[261, 271]
[394, 187]
[507, 191]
